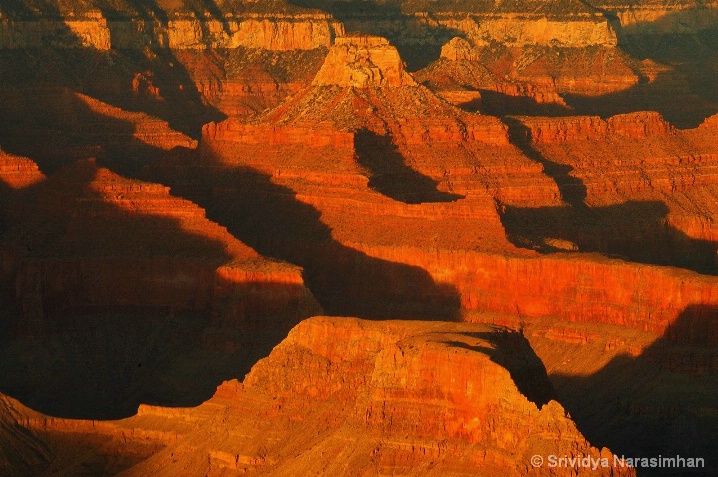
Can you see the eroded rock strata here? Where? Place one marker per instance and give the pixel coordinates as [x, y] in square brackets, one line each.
[397, 397]
[181, 183]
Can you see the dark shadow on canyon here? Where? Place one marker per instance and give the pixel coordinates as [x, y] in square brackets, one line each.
[670, 94]
[391, 176]
[422, 47]
[113, 308]
[660, 403]
[270, 218]
[98, 347]
[146, 76]
[636, 231]
[572, 189]
[55, 127]
[67, 355]
[159, 78]
[499, 104]
[512, 351]
[685, 92]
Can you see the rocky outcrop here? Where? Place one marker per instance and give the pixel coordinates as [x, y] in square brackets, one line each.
[390, 396]
[361, 62]
[528, 80]
[639, 125]
[18, 172]
[459, 49]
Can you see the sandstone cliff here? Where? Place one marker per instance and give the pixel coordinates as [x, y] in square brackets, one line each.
[363, 62]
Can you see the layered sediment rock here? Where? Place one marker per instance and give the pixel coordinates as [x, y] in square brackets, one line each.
[485, 172]
[667, 184]
[386, 397]
[639, 125]
[529, 79]
[23, 451]
[93, 30]
[363, 61]
[18, 172]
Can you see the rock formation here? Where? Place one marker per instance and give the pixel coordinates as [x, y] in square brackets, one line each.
[523, 191]
[386, 397]
[18, 172]
[362, 62]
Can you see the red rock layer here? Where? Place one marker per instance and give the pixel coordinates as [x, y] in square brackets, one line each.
[127, 29]
[639, 125]
[363, 61]
[245, 81]
[342, 396]
[460, 242]
[637, 157]
[18, 172]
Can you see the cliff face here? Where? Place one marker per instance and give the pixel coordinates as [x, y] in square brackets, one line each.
[23, 451]
[661, 195]
[557, 130]
[93, 30]
[362, 62]
[388, 397]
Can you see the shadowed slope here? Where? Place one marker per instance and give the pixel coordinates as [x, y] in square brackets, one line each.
[657, 400]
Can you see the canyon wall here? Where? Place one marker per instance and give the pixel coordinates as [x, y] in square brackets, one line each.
[92, 30]
[638, 125]
[388, 397]
[101, 30]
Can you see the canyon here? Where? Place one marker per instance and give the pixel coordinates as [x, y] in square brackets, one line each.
[357, 238]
